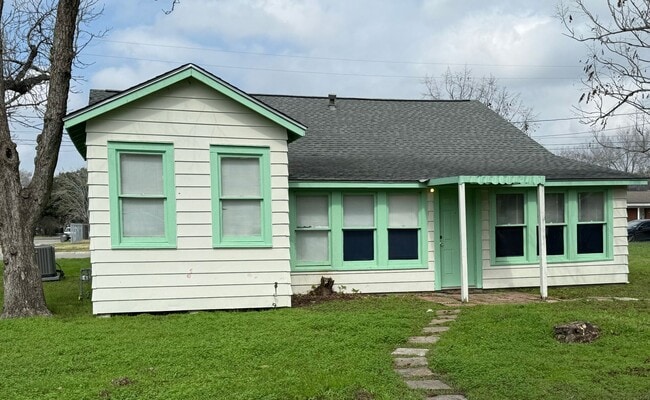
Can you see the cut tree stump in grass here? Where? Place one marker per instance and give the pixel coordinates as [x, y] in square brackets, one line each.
[576, 332]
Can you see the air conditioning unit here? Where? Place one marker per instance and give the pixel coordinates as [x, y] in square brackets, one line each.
[46, 260]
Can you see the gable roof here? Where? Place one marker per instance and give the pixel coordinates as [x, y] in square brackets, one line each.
[75, 122]
[416, 140]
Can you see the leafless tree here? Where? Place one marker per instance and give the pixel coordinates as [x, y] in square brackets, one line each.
[70, 195]
[616, 76]
[624, 151]
[463, 85]
[38, 43]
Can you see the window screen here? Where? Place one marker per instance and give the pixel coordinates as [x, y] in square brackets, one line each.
[591, 222]
[509, 230]
[312, 228]
[358, 228]
[403, 227]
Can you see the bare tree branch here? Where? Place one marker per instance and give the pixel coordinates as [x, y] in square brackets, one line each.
[618, 50]
[462, 85]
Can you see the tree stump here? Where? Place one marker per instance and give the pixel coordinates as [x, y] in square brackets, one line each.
[325, 287]
[576, 332]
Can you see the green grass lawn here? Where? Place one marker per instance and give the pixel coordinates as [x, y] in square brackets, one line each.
[508, 351]
[335, 350]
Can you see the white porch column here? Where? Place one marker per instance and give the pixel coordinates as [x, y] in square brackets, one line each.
[462, 220]
[638, 213]
[541, 217]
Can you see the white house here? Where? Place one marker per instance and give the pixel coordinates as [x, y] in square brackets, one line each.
[206, 197]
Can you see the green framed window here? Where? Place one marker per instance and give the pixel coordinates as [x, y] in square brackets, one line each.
[578, 225]
[357, 230]
[358, 227]
[510, 227]
[312, 231]
[404, 227]
[241, 196]
[141, 192]
[591, 224]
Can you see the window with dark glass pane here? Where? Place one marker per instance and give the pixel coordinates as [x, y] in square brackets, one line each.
[358, 228]
[403, 226]
[509, 230]
[591, 222]
[555, 224]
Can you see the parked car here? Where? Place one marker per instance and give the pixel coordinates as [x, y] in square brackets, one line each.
[638, 230]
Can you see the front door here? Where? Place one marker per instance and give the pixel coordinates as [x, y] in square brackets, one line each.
[449, 240]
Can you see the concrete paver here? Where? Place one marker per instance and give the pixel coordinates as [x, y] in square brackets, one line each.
[424, 339]
[406, 362]
[435, 329]
[440, 321]
[414, 372]
[428, 384]
[447, 397]
[405, 351]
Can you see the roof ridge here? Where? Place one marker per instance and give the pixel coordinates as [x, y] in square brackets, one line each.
[363, 98]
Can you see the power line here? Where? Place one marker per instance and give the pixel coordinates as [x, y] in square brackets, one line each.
[378, 61]
[315, 72]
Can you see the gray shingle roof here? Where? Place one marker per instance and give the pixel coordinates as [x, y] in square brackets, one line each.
[409, 140]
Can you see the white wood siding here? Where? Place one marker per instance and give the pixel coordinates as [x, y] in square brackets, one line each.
[381, 280]
[560, 274]
[193, 276]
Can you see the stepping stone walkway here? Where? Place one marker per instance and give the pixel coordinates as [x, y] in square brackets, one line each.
[411, 364]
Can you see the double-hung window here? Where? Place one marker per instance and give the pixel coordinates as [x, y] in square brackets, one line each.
[141, 190]
[312, 229]
[358, 227]
[555, 224]
[241, 196]
[591, 223]
[510, 228]
[403, 226]
[357, 230]
[578, 226]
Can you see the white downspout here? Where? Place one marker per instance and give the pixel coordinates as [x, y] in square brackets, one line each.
[462, 220]
[541, 217]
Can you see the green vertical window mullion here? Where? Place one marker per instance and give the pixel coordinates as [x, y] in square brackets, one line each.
[530, 219]
[423, 231]
[609, 224]
[381, 229]
[336, 225]
[292, 230]
[572, 223]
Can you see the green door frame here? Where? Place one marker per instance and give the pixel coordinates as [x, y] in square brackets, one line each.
[474, 259]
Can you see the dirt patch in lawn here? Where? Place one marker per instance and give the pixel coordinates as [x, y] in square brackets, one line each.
[452, 297]
[306, 300]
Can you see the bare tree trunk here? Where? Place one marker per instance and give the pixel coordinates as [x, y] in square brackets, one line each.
[22, 276]
[21, 207]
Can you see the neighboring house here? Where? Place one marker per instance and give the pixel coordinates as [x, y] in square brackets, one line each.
[638, 204]
[205, 197]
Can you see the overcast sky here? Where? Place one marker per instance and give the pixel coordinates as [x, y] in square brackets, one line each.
[354, 48]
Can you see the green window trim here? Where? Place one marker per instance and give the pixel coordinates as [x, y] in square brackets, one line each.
[118, 239]
[262, 154]
[570, 227]
[380, 229]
